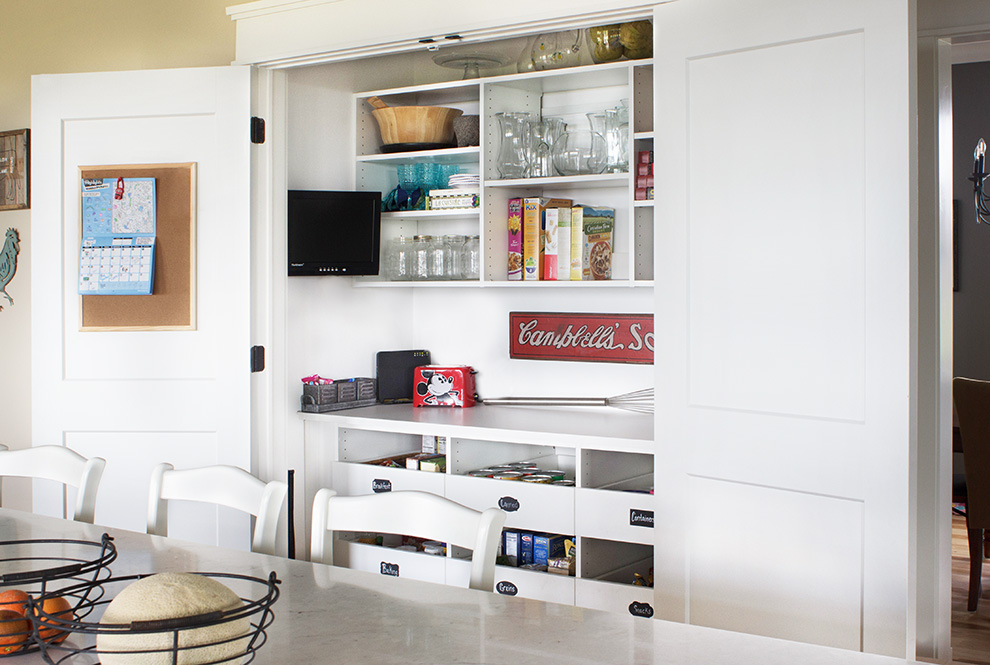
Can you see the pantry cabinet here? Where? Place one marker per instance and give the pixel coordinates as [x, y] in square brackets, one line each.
[776, 260]
[607, 512]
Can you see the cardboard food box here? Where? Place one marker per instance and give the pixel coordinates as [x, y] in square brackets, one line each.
[547, 546]
[597, 227]
[534, 210]
[515, 263]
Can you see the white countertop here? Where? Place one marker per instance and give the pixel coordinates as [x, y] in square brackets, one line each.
[336, 615]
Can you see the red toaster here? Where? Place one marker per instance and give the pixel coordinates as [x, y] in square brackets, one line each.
[437, 385]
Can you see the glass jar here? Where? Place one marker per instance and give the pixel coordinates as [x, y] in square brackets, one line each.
[453, 250]
[472, 258]
[557, 49]
[419, 270]
[436, 266]
[604, 43]
[399, 259]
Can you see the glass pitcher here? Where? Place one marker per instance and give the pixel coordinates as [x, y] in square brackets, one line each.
[516, 144]
[545, 132]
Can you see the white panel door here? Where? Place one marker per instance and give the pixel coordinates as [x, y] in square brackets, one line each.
[783, 293]
[142, 397]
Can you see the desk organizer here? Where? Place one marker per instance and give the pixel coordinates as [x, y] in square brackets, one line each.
[165, 641]
[54, 565]
[341, 394]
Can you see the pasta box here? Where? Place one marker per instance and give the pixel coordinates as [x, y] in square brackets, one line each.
[438, 385]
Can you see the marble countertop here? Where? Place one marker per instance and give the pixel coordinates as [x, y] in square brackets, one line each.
[335, 615]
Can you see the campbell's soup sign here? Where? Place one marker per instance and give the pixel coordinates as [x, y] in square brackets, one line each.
[609, 338]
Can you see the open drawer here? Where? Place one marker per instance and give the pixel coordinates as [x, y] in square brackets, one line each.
[354, 479]
[530, 506]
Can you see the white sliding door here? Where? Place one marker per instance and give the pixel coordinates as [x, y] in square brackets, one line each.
[783, 290]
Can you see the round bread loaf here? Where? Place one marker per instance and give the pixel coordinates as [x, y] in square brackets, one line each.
[172, 596]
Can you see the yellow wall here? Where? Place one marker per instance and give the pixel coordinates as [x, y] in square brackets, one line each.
[59, 36]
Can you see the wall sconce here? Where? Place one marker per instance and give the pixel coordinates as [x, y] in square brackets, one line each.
[981, 200]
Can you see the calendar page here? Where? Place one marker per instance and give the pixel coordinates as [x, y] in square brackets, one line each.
[117, 253]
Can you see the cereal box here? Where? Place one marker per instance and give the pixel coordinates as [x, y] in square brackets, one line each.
[533, 239]
[515, 267]
[564, 244]
[596, 262]
[577, 242]
[550, 217]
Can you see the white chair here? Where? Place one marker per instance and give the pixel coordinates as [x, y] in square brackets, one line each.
[411, 513]
[223, 485]
[62, 465]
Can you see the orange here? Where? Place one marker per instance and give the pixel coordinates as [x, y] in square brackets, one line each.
[14, 599]
[55, 606]
[14, 631]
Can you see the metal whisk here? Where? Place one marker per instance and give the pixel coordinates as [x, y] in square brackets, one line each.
[640, 401]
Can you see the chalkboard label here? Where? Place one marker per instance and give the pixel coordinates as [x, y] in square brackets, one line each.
[640, 610]
[508, 504]
[507, 588]
[379, 485]
[641, 518]
[392, 569]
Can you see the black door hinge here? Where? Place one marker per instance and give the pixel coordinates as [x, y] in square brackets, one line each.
[257, 130]
[257, 359]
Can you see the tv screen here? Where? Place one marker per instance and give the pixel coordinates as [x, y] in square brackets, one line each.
[333, 233]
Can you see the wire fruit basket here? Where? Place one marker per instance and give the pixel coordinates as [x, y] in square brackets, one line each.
[178, 641]
[52, 566]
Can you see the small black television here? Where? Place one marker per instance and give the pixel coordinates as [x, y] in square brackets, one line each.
[333, 233]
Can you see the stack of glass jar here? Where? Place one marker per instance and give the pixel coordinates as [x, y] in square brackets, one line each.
[433, 258]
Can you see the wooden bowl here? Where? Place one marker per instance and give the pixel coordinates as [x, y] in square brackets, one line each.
[416, 124]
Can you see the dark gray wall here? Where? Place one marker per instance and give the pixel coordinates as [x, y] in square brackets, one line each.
[971, 316]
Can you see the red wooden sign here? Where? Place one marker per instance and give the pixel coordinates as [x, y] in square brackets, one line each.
[607, 338]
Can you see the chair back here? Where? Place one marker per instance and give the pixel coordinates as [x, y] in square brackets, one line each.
[62, 465]
[411, 513]
[222, 485]
[972, 400]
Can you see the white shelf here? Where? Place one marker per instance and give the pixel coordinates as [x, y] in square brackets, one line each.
[466, 155]
[460, 213]
[575, 181]
[601, 428]
[643, 136]
[643, 204]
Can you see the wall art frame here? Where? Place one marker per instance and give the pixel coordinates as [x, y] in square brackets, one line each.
[15, 169]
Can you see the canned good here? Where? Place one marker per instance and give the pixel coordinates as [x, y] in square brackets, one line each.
[434, 547]
[508, 475]
[519, 465]
[537, 478]
[563, 483]
[556, 474]
[481, 473]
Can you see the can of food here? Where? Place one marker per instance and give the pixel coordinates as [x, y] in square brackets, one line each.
[556, 474]
[563, 483]
[434, 547]
[518, 465]
[537, 478]
[481, 473]
[508, 475]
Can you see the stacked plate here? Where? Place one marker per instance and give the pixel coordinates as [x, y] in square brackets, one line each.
[464, 181]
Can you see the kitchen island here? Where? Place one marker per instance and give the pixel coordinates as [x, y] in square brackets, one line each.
[328, 614]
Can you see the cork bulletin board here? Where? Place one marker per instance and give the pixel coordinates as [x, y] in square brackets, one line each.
[172, 303]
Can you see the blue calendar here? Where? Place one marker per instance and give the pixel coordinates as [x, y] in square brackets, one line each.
[117, 253]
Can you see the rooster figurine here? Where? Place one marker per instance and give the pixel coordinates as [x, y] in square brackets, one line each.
[8, 262]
